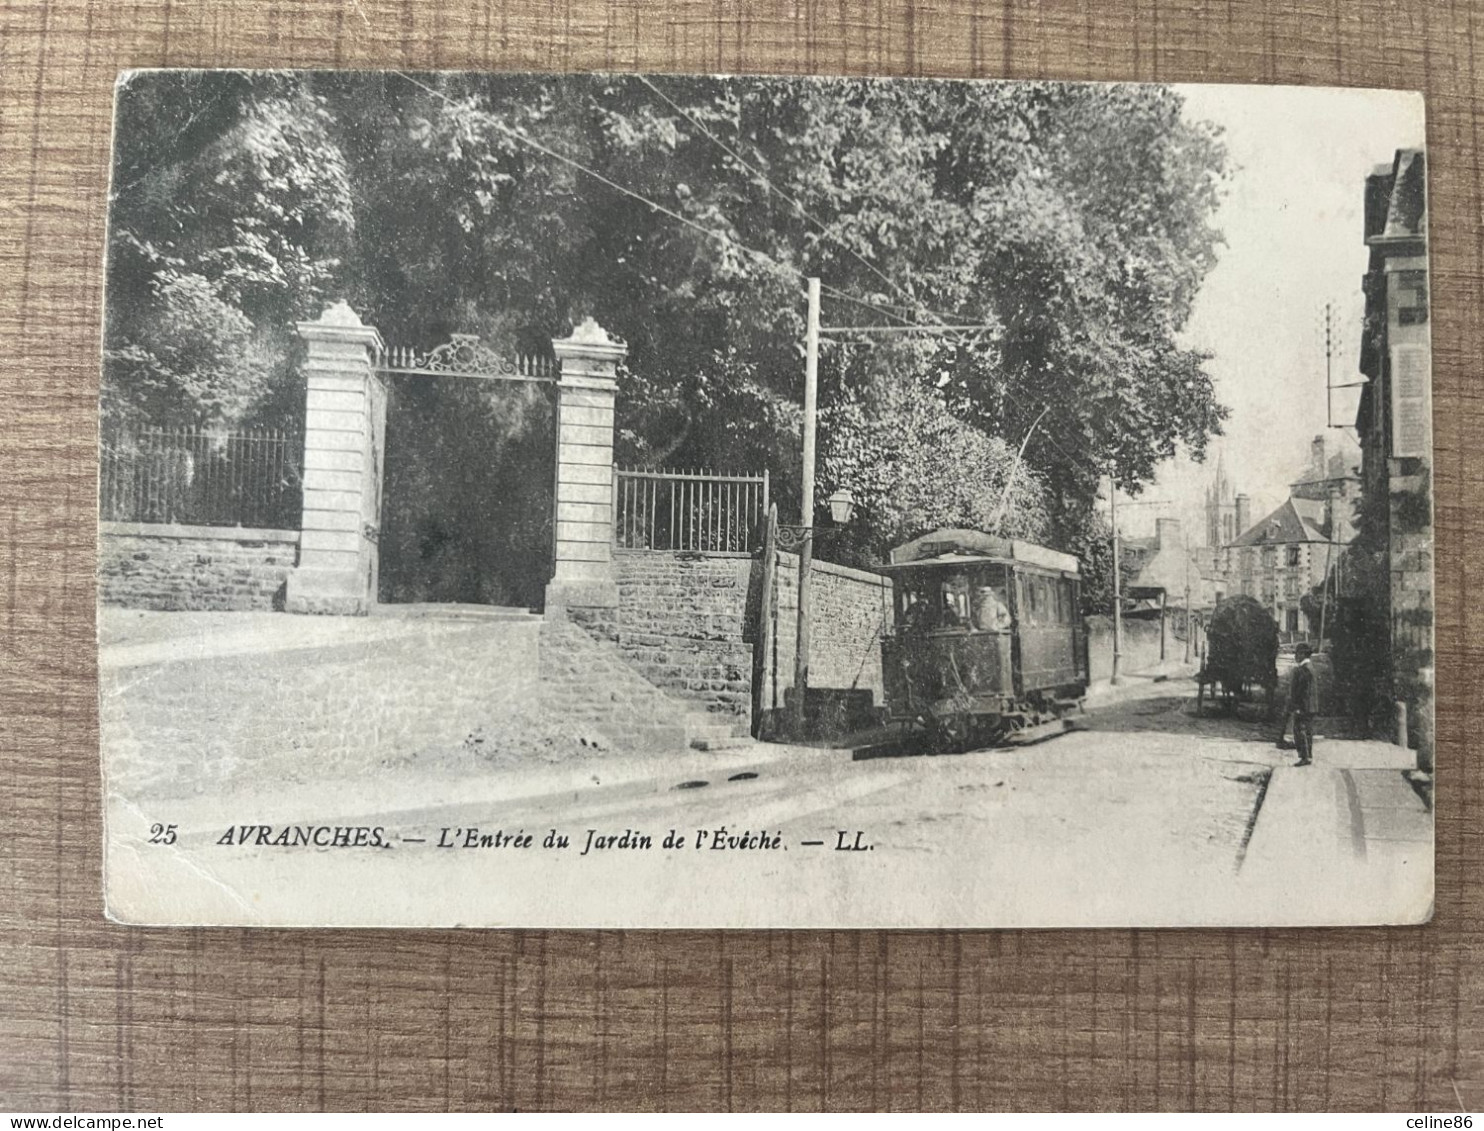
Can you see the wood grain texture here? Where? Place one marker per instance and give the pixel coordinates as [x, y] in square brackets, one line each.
[96, 1017]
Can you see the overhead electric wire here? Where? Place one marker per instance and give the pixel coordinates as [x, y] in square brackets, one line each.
[915, 305]
[713, 233]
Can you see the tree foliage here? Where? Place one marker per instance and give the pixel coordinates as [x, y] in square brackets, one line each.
[1072, 224]
[913, 466]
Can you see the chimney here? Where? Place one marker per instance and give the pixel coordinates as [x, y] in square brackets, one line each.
[1318, 459]
[1244, 514]
[1167, 533]
[1337, 513]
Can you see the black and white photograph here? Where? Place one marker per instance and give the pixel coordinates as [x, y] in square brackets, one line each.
[666, 501]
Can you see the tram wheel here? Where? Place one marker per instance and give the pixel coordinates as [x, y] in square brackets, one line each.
[954, 733]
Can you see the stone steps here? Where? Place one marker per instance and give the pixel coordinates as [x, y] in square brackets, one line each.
[433, 611]
[592, 682]
[595, 682]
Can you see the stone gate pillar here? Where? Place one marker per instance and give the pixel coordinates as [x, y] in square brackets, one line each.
[344, 441]
[583, 577]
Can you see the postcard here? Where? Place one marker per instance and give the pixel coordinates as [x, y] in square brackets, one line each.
[710, 501]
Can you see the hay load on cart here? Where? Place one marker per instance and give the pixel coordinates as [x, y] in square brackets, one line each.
[1241, 655]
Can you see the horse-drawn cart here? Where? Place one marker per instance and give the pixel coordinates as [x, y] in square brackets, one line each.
[1241, 654]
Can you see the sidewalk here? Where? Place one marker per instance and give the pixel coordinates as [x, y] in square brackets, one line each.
[1157, 680]
[1349, 823]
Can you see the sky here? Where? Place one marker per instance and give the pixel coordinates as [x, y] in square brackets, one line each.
[1292, 218]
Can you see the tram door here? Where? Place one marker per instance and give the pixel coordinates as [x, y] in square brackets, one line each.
[1046, 623]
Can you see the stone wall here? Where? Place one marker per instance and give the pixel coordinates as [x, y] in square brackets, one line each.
[591, 683]
[689, 624]
[1140, 646]
[218, 568]
[681, 621]
[850, 609]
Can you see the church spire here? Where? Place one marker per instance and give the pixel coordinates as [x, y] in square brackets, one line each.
[1220, 508]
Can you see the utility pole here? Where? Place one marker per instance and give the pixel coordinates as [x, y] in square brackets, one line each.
[1116, 678]
[806, 507]
[1329, 352]
[1189, 620]
[806, 504]
[1329, 324]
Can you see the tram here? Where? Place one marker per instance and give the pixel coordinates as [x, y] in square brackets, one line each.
[987, 642]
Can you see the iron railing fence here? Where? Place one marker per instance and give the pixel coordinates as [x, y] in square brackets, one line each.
[203, 477]
[701, 511]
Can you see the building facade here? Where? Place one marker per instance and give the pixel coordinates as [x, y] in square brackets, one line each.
[1285, 557]
[1391, 618]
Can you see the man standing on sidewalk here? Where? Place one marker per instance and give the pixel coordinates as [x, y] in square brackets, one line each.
[1303, 704]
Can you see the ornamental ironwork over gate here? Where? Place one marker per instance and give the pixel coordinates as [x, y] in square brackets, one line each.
[466, 355]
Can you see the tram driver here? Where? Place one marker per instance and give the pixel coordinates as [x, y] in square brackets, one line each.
[991, 611]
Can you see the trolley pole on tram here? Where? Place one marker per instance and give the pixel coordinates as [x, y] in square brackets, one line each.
[806, 509]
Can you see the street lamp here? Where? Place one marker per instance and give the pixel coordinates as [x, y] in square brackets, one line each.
[842, 506]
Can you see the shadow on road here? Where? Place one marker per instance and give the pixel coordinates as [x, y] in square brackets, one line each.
[1176, 713]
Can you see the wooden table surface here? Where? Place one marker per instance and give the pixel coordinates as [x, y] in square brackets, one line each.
[99, 1017]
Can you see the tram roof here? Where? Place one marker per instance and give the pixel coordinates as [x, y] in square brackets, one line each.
[961, 547]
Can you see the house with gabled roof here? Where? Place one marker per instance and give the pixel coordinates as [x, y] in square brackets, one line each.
[1290, 552]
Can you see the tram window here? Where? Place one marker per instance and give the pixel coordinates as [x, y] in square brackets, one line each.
[1047, 602]
[991, 607]
[916, 606]
[955, 611]
[1035, 601]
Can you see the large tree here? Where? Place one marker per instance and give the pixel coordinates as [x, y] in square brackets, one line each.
[1070, 224]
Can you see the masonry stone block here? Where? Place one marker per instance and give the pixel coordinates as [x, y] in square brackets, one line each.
[333, 420]
[320, 479]
[599, 416]
[326, 459]
[344, 429]
[597, 533]
[574, 551]
[332, 376]
[595, 455]
[323, 500]
[331, 520]
[335, 440]
[588, 475]
[583, 435]
[585, 397]
[335, 400]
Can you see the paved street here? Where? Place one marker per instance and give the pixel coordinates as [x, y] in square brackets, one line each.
[1144, 813]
